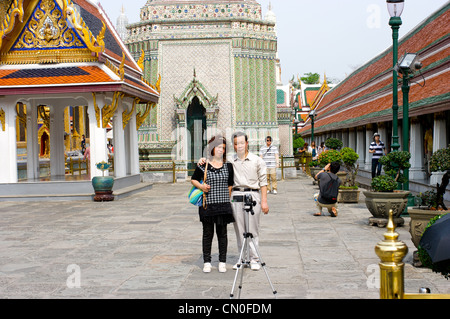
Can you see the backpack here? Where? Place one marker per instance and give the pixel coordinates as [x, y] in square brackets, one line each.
[330, 190]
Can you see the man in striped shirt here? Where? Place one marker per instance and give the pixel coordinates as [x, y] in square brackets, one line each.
[269, 154]
[377, 148]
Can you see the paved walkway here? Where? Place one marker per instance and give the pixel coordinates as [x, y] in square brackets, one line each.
[149, 246]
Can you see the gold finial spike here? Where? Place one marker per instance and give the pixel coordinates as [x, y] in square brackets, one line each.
[391, 252]
[391, 235]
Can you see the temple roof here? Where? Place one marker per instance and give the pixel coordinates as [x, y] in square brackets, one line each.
[66, 44]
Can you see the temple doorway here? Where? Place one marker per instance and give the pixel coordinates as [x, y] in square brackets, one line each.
[196, 126]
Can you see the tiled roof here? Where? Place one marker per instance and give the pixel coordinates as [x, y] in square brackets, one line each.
[57, 75]
[366, 95]
[104, 69]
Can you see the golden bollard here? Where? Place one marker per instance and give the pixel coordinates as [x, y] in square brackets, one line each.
[391, 252]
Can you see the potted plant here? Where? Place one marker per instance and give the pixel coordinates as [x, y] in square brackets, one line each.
[348, 191]
[103, 184]
[384, 194]
[429, 204]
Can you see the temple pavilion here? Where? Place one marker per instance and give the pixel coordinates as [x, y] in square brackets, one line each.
[65, 73]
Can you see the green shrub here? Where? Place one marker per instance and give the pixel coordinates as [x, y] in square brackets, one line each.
[383, 183]
[333, 143]
[349, 158]
[440, 160]
[328, 157]
[298, 143]
[395, 163]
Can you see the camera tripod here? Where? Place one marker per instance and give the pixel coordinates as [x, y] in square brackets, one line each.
[245, 250]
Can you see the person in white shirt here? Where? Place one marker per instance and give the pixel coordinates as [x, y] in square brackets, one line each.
[270, 155]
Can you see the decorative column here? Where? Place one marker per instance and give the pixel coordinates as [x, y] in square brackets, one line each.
[97, 136]
[369, 139]
[133, 146]
[183, 137]
[345, 137]
[439, 142]
[211, 121]
[360, 146]
[416, 172]
[57, 158]
[8, 159]
[352, 138]
[33, 170]
[120, 164]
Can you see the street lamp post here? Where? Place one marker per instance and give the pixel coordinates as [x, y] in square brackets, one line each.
[312, 115]
[407, 65]
[395, 8]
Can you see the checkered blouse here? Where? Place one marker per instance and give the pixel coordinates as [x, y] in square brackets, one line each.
[219, 179]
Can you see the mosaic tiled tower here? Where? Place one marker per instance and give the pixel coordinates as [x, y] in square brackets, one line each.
[217, 61]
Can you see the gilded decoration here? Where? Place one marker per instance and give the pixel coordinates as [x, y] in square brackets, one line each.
[77, 22]
[9, 16]
[105, 114]
[53, 32]
[97, 109]
[140, 117]
[47, 29]
[3, 119]
[126, 116]
[44, 113]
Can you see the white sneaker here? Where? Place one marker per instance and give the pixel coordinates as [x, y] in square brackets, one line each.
[274, 191]
[268, 192]
[222, 267]
[207, 267]
[254, 265]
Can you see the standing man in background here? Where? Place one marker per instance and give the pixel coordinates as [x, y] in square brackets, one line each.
[377, 148]
[270, 155]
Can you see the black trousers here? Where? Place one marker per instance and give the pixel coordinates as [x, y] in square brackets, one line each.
[376, 167]
[222, 237]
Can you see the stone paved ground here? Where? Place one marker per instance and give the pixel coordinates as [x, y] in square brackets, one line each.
[149, 246]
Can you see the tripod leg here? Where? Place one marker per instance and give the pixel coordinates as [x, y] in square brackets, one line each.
[263, 264]
[240, 266]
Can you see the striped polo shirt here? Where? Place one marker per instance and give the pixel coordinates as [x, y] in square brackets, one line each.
[268, 155]
[378, 149]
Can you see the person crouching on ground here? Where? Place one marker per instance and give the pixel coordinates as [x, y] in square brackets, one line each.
[329, 184]
[218, 211]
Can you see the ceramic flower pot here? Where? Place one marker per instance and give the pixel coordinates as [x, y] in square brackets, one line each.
[103, 188]
[348, 195]
[379, 204]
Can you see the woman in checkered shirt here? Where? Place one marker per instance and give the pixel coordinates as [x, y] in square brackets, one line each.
[218, 211]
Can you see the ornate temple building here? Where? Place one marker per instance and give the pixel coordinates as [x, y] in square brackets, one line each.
[65, 73]
[216, 64]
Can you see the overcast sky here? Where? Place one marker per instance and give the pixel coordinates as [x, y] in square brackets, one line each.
[332, 36]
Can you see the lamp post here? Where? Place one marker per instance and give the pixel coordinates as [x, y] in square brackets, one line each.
[312, 115]
[395, 8]
[294, 113]
[407, 65]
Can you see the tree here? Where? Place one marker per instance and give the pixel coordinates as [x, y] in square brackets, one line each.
[311, 78]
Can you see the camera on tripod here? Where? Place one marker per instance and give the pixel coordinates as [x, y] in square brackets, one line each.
[249, 203]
